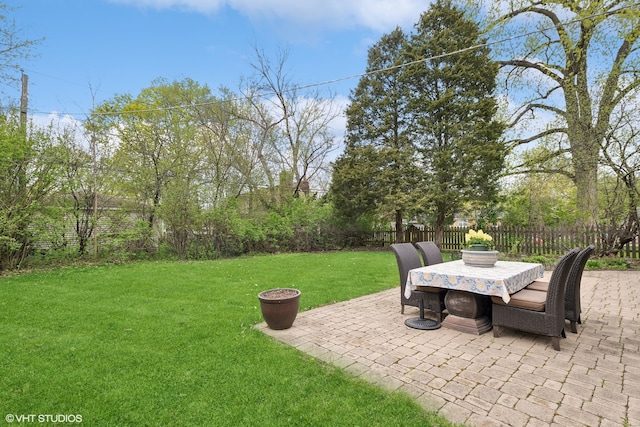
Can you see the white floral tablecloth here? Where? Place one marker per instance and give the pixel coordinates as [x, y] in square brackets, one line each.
[505, 278]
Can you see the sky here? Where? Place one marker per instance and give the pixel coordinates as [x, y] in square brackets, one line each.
[94, 50]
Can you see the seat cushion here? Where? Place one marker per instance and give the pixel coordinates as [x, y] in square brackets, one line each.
[431, 289]
[526, 298]
[538, 285]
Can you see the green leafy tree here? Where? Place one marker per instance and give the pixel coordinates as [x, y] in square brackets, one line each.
[159, 152]
[239, 159]
[181, 211]
[539, 200]
[578, 62]
[77, 188]
[620, 189]
[353, 189]
[378, 172]
[28, 171]
[453, 111]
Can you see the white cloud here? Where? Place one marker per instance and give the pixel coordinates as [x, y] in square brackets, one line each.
[56, 121]
[60, 124]
[378, 15]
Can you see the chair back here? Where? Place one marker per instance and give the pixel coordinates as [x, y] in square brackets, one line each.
[430, 253]
[407, 258]
[572, 292]
[557, 284]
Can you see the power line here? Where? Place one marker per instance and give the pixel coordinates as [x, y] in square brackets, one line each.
[53, 77]
[354, 76]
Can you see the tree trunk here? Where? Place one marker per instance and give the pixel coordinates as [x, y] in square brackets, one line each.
[586, 181]
[585, 142]
[399, 227]
[439, 231]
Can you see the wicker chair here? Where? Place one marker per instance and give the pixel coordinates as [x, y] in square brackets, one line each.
[430, 298]
[572, 308]
[430, 253]
[535, 311]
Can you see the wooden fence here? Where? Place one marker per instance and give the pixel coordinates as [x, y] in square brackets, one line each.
[512, 240]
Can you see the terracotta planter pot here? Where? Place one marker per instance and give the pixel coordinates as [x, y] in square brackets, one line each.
[279, 307]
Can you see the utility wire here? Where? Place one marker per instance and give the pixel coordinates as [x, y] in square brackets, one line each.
[54, 77]
[354, 76]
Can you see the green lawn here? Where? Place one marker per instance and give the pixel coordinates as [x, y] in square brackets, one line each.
[172, 344]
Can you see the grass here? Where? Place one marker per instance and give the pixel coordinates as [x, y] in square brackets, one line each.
[173, 344]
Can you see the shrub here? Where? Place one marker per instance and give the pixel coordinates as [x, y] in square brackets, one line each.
[539, 259]
[607, 263]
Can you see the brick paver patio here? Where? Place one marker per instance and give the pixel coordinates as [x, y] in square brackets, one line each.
[515, 380]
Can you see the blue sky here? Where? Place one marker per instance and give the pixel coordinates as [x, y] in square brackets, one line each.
[112, 47]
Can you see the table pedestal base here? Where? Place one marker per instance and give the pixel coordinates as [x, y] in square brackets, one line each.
[468, 312]
[477, 326]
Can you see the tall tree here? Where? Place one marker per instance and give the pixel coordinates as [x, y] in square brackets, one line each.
[578, 62]
[158, 148]
[28, 168]
[453, 109]
[619, 218]
[538, 201]
[302, 120]
[377, 173]
[77, 187]
[261, 160]
[226, 143]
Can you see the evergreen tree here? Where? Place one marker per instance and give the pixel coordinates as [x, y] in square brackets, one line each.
[453, 109]
[377, 172]
[425, 114]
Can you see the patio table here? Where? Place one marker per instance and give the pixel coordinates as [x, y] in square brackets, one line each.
[468, 300]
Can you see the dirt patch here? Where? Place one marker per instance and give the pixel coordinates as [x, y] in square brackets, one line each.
[279, 293]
